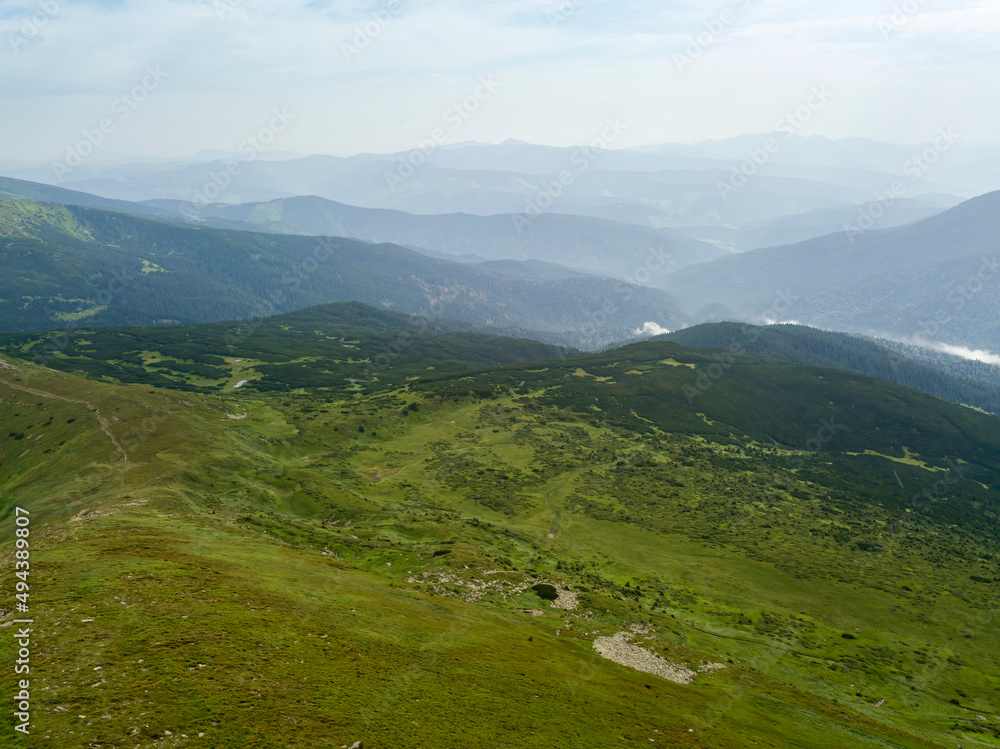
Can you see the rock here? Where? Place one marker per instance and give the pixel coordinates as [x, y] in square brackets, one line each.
[621, 650]
[567, 601]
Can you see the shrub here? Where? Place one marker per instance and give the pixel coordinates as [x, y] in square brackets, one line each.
[546, 592]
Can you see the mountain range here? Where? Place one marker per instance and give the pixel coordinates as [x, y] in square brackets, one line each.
[934, 280]
[294, 445]
[585, 244]
[63, 264]
[670, 185]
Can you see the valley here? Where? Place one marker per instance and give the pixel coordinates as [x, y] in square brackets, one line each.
[259, 551]
[527, 375]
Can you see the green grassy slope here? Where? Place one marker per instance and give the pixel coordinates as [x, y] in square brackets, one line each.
[316, 568]
[19, 189]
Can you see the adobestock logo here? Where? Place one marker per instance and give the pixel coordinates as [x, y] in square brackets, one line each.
[32, 27]
[582, 159]
[230, 9]
[456, 115]
[784, 301]
[961, 295]
[901, 14]
[367, 33]
[715, 29]
[789, 124]
[916, 167]
[566, 10]
[93, 138]
[249, 150]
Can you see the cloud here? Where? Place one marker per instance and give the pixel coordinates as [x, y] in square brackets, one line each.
[981, 355]
[652, 328]
[561, 78]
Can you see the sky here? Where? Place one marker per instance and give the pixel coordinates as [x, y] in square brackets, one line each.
[175, 77]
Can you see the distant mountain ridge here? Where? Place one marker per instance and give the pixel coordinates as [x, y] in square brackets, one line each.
[936, 279]
[580, 243]
[801, 227]
[662, 186]
[65, 264]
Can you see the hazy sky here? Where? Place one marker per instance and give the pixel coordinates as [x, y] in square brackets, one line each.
[360, 76]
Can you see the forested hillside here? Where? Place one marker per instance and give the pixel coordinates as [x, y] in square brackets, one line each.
[64, 264]
[950, 378]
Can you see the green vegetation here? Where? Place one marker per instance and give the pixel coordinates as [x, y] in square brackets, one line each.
[957, 366]
[605, 247]
[949, 377]
[313, 563]
[546, 592]
[49, 253]
[333, 348]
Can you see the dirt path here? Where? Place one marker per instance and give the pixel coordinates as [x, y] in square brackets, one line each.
[555, 501]
[103, 422]
[378, 475]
